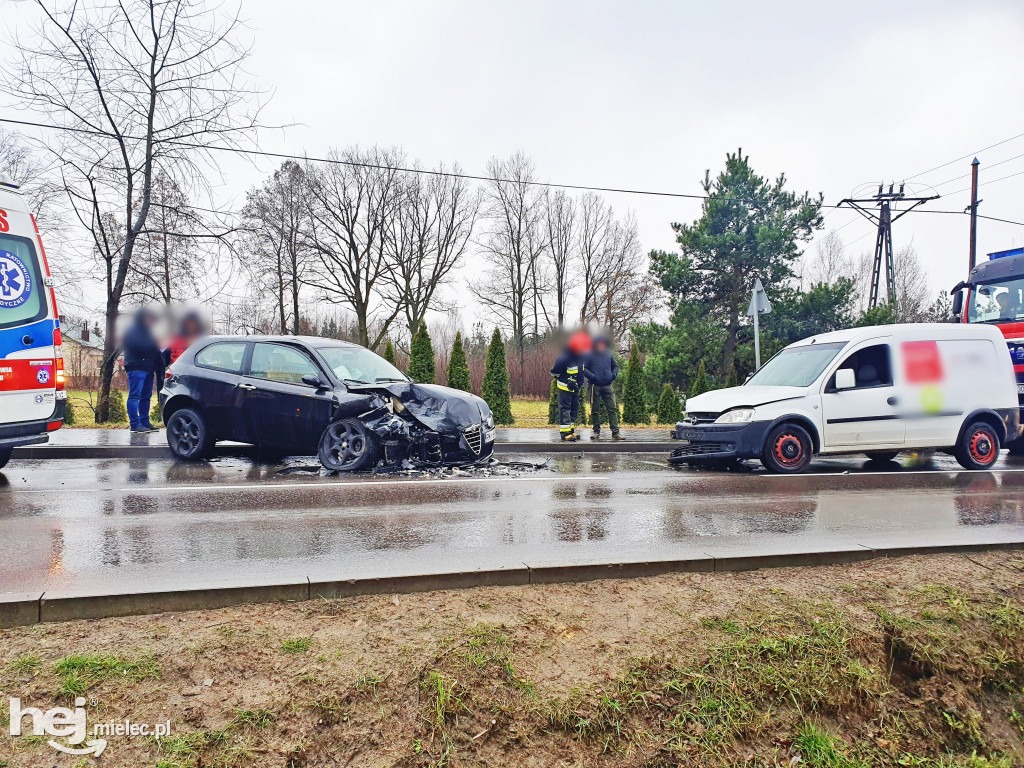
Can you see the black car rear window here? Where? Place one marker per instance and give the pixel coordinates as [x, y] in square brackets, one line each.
[222, 355]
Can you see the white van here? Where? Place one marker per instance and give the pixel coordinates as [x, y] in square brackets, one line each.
[32, 394]
[877, 391]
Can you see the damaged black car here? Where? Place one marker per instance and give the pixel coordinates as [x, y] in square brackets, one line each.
[306, 395]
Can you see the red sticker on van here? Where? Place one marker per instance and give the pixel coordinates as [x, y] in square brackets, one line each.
[4, 226]
[26, 374]
[921, 362]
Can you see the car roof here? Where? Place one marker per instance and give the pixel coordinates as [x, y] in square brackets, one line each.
[909, 331]
[312, 341]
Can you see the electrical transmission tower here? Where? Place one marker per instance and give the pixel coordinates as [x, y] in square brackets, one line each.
[888, 211]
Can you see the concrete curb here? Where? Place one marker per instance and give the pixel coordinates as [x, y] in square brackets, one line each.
[27, 612]
[163, 452]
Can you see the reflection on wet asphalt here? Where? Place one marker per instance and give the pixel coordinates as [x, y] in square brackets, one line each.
[111, 526]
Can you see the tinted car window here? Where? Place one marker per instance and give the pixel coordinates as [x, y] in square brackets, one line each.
[224, 356]
[278, 362]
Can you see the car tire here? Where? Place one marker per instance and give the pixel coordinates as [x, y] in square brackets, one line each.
[978, 447]
[5, 456]
[882, 456]
[348, 446]
[787, 449]
[188, 436]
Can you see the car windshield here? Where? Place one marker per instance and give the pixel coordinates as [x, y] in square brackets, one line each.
[997, 302]
[796, 366]
[359, 365]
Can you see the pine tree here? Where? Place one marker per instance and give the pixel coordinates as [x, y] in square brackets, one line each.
[634, 405]
[700, 382]
[69, 414]
[389, 352]
[421, 357]
[154, 413]
[553, 403]
[732, 379]
[497, 390]
[458, 368]
[670, 410]
[581, 416]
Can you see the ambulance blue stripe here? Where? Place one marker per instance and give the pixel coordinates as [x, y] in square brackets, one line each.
[11, 338]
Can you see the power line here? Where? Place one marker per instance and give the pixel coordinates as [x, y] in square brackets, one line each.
[969, 154]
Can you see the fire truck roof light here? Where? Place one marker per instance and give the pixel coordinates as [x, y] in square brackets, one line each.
[6, 182]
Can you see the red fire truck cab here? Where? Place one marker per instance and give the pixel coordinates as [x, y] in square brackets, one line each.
[994, 294]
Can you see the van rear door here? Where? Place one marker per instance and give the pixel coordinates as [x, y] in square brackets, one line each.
[28, 356]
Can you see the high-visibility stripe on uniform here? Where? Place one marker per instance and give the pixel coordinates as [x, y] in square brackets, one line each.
[562, 386]
[565, 427]
[574, 369]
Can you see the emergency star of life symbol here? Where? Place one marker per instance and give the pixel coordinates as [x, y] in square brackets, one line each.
[43, 375]
[15, 282]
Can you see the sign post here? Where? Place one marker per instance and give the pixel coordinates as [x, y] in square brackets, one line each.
[759, 305]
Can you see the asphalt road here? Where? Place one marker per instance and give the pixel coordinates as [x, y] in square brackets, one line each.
[75, 528]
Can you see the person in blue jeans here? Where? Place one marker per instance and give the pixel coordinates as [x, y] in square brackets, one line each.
[142, 359]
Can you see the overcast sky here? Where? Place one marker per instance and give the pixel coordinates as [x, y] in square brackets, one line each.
[647, 95]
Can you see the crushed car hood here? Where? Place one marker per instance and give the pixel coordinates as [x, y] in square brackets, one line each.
[720, 400]
[438, 408]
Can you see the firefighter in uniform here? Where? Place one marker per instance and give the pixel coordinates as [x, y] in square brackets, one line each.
[568, 373]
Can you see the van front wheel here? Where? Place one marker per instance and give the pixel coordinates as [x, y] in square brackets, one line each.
[978, 447]
[787, 449]
[5, 456]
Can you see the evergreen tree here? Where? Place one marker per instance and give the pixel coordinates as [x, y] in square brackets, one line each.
[389, 352]
[581, 415]
[700, 382]
[670, 410]
[732, 380]
[154, 413]
[458, 368]
[421, 357]
[882, 314]
[553, 403]
[69, 414]
[497, 390]
[634, 405]
[118, 413]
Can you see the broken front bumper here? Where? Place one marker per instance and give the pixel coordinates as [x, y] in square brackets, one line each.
[718, 441]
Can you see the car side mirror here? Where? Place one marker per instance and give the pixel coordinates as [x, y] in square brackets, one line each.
[312, 379]
[958, 303]
[845, 379]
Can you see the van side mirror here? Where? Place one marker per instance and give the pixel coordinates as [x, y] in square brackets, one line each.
[312, 379]
[845, 379]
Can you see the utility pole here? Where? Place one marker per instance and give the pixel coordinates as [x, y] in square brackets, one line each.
[973, 208]
[888, 204]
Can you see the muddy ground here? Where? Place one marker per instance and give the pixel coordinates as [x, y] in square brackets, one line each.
[913, 661]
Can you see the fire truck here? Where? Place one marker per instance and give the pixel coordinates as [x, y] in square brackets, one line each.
[993, 293]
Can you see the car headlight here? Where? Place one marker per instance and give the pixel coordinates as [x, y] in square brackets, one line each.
[736, 416]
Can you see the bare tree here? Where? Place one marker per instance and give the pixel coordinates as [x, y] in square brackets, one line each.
[913, 296]
[512, 248]
[137, 86]
[623, 292]
[276, 233]
[596, 220]
[429, 238]
[562, 247]
[830, 261]
[353, 203]
[168, 266]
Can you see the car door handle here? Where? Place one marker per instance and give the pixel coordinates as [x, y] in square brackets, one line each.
[247, 386]
[892, 401]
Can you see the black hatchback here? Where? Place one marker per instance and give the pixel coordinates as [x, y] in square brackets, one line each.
[307, 395]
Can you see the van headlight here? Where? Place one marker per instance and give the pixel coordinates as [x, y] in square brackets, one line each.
[736, 416]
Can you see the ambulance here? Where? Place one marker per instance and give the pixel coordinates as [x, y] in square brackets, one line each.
[32, 395]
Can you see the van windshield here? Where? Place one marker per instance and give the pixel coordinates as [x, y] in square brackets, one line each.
[796, 366]
[22, 296]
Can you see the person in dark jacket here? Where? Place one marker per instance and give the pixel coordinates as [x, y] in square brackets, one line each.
[601, 372]
[568, 371]
[142, 360]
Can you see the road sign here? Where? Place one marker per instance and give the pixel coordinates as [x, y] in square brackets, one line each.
[759, 305]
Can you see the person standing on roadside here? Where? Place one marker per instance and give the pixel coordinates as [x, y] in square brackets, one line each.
[190, 329]
[568, 371]
[142, 359]
[601, 372]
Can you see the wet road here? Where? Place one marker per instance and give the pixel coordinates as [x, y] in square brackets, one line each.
[72, 528]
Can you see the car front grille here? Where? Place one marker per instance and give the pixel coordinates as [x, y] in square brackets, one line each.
[699, 417]
[474, 438]
[697, 448]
